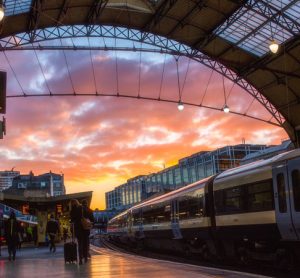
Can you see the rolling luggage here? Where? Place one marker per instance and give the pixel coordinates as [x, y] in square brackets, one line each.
[70, 251]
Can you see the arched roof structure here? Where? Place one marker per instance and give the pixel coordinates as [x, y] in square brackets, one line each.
[235, 33]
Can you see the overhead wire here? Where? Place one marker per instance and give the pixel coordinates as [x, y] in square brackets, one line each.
[162, 77]
[14, 73]
[68, 69]
[178, 79]
[208, 82]
[117, 69]
[140, 69]
[43, 73]
[93, 68]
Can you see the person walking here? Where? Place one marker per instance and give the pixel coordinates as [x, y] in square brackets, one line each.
[87, 213]
[12, 230]
[76, 215]
[52, 229]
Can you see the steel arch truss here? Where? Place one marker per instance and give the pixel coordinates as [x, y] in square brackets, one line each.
[20, 41]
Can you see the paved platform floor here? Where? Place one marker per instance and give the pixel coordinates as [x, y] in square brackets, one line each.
[39, 262]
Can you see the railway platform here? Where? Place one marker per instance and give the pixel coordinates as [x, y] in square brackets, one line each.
[39, 262]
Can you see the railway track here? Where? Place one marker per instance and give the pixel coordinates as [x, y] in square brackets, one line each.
[258, 269]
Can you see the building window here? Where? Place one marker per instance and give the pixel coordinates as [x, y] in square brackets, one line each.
[21, 185]
[43, 184]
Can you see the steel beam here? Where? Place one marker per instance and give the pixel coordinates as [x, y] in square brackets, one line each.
[63, 12]
[34, 18]
[160, 12]
[62, 32]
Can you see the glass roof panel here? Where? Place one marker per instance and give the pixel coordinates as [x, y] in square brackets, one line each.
[254, 25]
[13, 7]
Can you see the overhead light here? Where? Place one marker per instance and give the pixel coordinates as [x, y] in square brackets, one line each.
[274, 46]
[226, 108]
[180, 106]
[1, 10]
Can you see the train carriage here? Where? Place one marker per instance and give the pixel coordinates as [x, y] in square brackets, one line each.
[248, 212]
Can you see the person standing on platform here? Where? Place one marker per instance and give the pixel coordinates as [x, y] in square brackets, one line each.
[87, 213]
[52, 230]
[76, 215]
[12, 230]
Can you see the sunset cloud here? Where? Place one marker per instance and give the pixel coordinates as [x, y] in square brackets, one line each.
[100, 142]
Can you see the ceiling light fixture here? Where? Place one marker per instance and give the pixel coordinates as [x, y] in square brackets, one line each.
[1, 10]
[180, 106]
[226, 108]
[274, 46]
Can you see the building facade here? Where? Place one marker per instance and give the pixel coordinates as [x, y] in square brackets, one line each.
[6, 178]
[188, 170]
[48, 184]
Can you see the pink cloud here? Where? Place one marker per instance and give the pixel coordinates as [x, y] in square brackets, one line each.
[99, 142]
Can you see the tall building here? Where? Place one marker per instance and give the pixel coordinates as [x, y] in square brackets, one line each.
[188, 170]
[6, 178]
[48, 184]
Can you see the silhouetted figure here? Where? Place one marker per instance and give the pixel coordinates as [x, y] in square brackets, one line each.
[76, 216]
[21, 237]
[52, 229]
[87, 213]
[65, 234]
[35, 234]
[12, 230]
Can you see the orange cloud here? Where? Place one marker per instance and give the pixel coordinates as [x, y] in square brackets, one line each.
[100, 142]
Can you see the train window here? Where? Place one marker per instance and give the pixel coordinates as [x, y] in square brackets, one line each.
[260, 196]
[296, 189]
[191, 206]
[219, 201]
[234, 199]
[136, 217]
[157, 214]
[281, 192]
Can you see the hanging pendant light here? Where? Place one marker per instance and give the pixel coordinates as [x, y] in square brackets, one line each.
[274, 46]
[180, 106]
[1, 10]
[226, 108]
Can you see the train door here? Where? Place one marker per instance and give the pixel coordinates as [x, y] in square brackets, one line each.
[141, 227]
[294, 183]
[282, 202]
[175, 220]
[129, 222]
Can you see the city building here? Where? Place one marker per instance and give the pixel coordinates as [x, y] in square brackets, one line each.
[188, 170]
[48, 184]
[6, 178]
[285, 146]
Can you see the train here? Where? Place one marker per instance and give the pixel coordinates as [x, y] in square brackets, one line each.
[249, 213]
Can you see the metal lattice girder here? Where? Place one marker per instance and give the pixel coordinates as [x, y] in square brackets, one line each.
[277, 16]
[162, 10]
[61, 32]
[260, 21]
[96, 10]
[63, 11]
[34, 17]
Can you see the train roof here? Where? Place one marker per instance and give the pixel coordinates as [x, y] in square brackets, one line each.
[260, 164]
[166, 196]
[173, 194]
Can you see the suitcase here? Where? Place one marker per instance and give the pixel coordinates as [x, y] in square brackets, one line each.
[70, 250]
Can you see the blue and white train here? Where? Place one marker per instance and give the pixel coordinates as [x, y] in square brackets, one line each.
[251, 212]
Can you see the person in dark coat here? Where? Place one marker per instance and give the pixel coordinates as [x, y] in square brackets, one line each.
[77, 229]
[12, 229]
[52, 230]
[87, 213]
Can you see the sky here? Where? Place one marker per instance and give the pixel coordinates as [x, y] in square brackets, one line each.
[100, 142]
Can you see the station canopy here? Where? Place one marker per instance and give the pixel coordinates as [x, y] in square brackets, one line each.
[235, 33]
